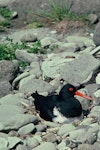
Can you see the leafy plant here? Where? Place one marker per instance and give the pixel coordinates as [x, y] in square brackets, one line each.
[7, 52]
[37, 48]
[5, 12]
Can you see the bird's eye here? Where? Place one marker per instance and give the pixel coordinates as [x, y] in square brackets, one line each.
[71, 89]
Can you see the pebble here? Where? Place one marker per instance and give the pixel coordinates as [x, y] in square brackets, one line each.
[32, 142]
[65, 129]
[27, 129]
[46, 145]
[50, 137]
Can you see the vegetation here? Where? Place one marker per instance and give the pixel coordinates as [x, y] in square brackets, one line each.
[58, 12]
[5, 12]
[7, 50]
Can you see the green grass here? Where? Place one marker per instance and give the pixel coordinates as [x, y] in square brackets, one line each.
[58, 12]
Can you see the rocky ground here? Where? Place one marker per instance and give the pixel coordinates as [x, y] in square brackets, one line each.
[72, 57]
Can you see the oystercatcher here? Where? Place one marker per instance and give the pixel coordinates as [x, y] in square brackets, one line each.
[58, 108]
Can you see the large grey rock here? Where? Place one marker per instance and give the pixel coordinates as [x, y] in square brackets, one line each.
[16, 116]
[13, 99]
[3, 142]
[51, 67]
[34, 85]
[25, 56]
[46, 146]
[78, 71]
[85, 7]
[96, 36]
[5, 88]
[79, 39]
[5, 2]
[35, 68]
[8, 70]
[28, 38]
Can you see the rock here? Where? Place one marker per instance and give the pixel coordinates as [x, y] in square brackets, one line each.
[14, 15]
[50, 137]
[97, 97]
[98, 78]
[13, 99]
[27, 129]
[51, 124]
[5, 88]
[32, 142]
[35, 69]
[21, 147]
[65, 129]
[47, 41]
[79, 39]
[34, 85]
[8, 70]
[96, 35]
[13, 141]
[5, 3]
[62, 46]
[87, 138]
[93, 18]
[16, 117]
[86, 121]
[95, 111]
[24, 56]
[51, 67]
[46, 145]
[85, 147]
[85, 7]
[30, 37]
[41, 127]
[74, 134]
[76, 73]
[3, 142]
[18, 78]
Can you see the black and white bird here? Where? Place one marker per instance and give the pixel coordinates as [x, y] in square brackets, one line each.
[58, 108]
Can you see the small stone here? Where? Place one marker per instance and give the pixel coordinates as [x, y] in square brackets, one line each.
[93, 18]
[46, 146]
[26, 129]
[14, 15]
[97, 97]
[66, 128]
[50, 137]
[21, 147]
[13, 141]
[32, 142]
[40, 127]
[45, 42]
[98, 78]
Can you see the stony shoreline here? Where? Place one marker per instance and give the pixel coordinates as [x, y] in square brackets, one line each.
[75, 60]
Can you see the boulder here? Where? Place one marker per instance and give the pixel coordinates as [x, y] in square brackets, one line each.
[96, 36]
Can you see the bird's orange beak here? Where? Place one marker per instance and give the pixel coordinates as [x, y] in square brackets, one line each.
[83, 95]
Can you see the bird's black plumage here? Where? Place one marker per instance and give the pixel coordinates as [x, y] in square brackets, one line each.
[65, 102]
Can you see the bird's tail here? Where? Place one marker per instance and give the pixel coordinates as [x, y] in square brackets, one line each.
[35, 95]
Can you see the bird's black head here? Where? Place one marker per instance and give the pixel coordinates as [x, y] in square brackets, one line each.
[67, 90]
